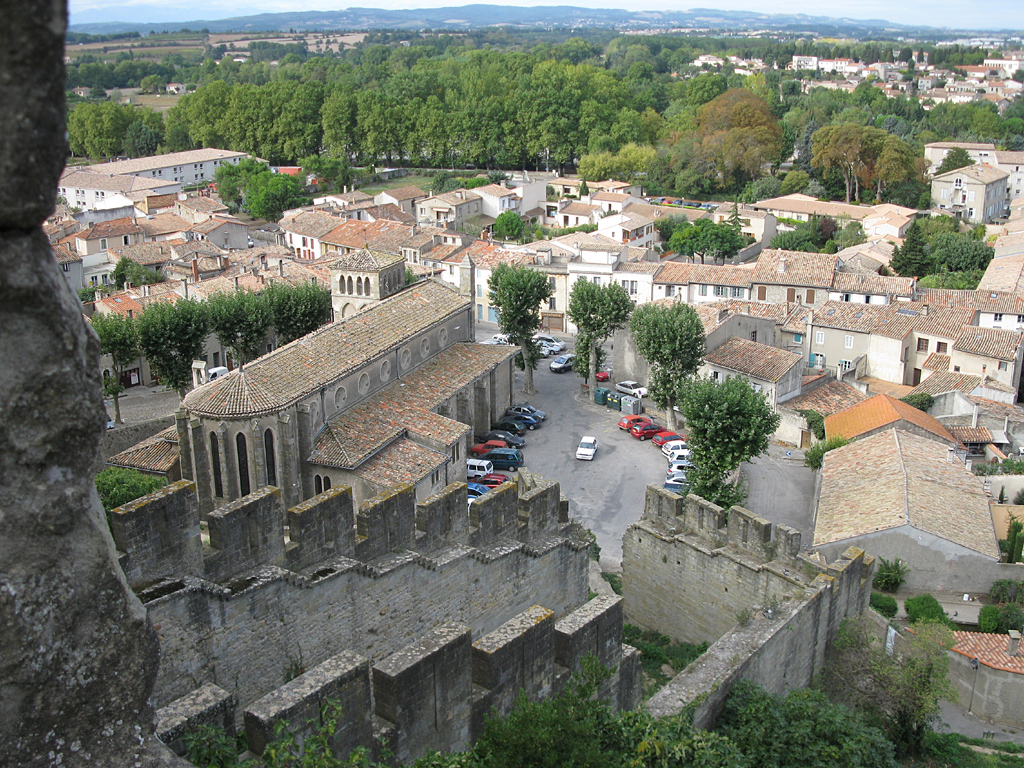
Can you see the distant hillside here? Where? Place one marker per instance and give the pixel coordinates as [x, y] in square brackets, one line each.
[474, 17]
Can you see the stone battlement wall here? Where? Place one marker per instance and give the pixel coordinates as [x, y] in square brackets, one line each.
[436, 692]
[690, 574]
[250, 605]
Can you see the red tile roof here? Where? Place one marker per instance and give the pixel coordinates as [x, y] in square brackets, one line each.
[990, 649]
[878, 411]
[753, 359]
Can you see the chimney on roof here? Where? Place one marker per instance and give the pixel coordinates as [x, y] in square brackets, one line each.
[263, 280]
[722, 314]
[974, 417]
[950, 453]
[195, 270]
[280, 268]
[236, 282]
[782, 265]
[1014, 645]
[924, 310]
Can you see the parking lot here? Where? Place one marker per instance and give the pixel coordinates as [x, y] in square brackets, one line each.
[607, 494]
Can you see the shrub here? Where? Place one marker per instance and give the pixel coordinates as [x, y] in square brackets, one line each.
[922, 401]
[815, 423]
[1007, 591]
[925, 608]
[1011, 616]
[814, 456]
[884, 604]
[890, 575]
[1018, 499]
[988, 618]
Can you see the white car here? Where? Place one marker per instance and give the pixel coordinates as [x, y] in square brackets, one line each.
[556, 344]
[547, 350]
[587, 448]
[672, 446]
[631, 388]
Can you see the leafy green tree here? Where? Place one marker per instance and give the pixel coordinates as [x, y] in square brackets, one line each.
[795, 181]
[584, 189]
[803, 728]
[140, 140]
[128, 271]
[921, 400]
[119, 338]
[956, 158]
[900, 691]
[763, 189]
[508, 226]
[597, 311]
[336, 171]
[925, 608]
[231, 179]
[298, 309]
[727, 423]
[171, 337]
[517, 293]
[118, 485]
[268, 195]
[960, 253]
[815, 455]
[954, 281]
[240, 320]
[707, 240]
[671, 339]
[669, 225]
[912, 258]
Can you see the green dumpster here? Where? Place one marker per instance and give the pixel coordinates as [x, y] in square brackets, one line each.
[601, 396]
[614, 401]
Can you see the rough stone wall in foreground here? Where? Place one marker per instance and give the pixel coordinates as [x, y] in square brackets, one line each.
[77, 654]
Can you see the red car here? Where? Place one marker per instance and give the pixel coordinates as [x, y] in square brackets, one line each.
[492, 480]
[644, 431]
[481, 448]
[628, 422]
[603, 375]
[664, 436]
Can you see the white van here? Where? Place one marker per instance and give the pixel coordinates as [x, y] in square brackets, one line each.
[477, 468]
[215, 373]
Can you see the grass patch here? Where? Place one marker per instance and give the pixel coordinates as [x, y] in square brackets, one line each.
[412, 180]
[949, 750]
[615, 580]
[658, 650]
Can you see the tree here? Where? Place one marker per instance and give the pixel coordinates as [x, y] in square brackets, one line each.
[795, 181]
[707, 240]
[803, 728]
[128, 271]
[902, 690]
[727, 423]
[171, 337]
[119, 338]
[921, 400]
[959, 253]
[268, 195]
[671, 339]
[956, 158]
[584, 189]
[597, 311]
[240, 320]
[140, 140]
[231, 179]
[298, 309]
[119, 485]
[517, 293]
[508, 226]
[336, 171]
[912, 258]
[814, 456]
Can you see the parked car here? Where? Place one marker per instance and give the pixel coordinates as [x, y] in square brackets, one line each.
[505, 458]
[664, 437]
[546, 350]
[628, 422]
[603, 375]
[476, 468]
[645, 431]
[528, 421]
[514, 441]
[587, 448]
[672, 446]
[562, 363]
[500, 338]
[481, 448]
[677, 484]
[631, 388]
[679, 454]
[508, 425]
[678, 466]
[555, 344]
[526, 409]
[493, 480]
[476, 489]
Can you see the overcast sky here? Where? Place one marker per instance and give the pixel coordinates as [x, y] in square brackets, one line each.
[990, 14]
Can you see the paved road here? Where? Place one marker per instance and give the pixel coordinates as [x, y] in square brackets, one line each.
[782, 489]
